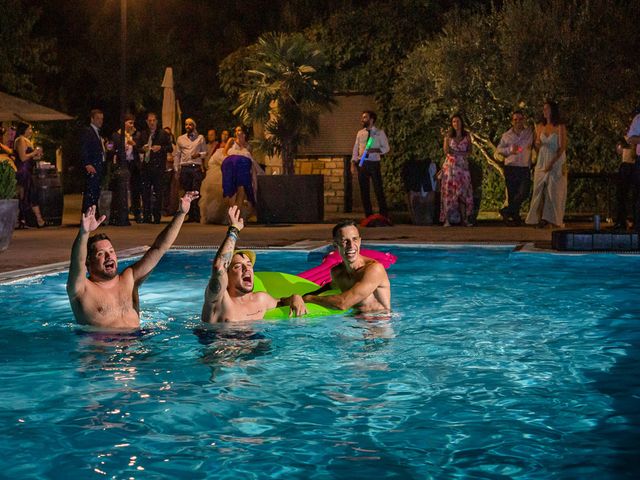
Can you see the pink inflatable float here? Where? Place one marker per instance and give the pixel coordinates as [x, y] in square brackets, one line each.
[322, 273]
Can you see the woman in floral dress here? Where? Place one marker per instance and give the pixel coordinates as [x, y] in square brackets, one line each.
[456, 201]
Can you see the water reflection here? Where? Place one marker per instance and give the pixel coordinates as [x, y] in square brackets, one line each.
[229, 343]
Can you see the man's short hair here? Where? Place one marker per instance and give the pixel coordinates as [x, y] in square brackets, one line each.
[95, 238]
[95, 112]
[517, 112]
[129, 116]
[154, 114]
[372, 115]
[340, 225]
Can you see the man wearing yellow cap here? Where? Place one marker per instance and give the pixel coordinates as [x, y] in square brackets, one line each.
[229, 296]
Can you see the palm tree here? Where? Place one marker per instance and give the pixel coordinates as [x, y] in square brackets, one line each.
[284, 89]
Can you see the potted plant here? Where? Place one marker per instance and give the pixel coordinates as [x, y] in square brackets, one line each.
[283, 89]
[8, 204]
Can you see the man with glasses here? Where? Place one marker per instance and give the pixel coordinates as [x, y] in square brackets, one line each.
[515, 147]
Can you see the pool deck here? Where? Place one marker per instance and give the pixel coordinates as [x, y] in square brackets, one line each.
[39, 247]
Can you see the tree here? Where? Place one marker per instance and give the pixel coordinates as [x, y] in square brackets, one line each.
[486, 63]
[24, 55]
[284, 89]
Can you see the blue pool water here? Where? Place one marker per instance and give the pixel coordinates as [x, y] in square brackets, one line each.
[495, 364]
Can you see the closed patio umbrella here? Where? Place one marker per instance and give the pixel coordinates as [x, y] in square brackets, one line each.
[170, 107]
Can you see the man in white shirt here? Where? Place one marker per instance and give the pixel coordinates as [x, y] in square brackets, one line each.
[633, 139]
[190, 152]
[366, 162]
[515, 147]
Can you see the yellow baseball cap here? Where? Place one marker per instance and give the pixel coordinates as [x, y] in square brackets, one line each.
[247, 253]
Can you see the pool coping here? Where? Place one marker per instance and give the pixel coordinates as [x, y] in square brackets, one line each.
[14, 276]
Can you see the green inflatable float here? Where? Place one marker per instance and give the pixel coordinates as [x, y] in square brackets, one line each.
[279, 285]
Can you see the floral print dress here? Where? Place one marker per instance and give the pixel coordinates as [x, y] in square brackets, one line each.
[455, 184]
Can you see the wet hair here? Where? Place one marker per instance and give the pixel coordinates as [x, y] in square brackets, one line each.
[22, 128]
[555, 113]
[340, 225]
[452, 131]
[93, 240]
[372, 115]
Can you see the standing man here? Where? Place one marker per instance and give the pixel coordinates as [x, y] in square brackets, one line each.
[125, 153]
[363, 281]
[106, 298]
[191, 151]
[92, 156]
[370, 168]
[633, 139]
[154, 144]
[515, 147]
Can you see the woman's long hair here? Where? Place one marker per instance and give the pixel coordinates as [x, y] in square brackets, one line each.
[555, 113]
[21, 129]
[452, 131]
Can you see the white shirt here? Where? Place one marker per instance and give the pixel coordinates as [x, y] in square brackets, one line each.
[186, 148]
[379, 141]
[523, 141]
[634, 130]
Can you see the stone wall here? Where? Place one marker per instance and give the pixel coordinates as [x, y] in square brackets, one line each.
[333, 170]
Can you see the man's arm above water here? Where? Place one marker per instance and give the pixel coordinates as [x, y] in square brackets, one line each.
[373, 276]
[296, 305]
[143, 267]
[218, 281]
[76, 282]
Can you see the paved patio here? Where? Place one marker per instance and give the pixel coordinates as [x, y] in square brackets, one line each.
[38, 247]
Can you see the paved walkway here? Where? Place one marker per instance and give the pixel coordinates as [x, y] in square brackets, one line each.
[37, 247]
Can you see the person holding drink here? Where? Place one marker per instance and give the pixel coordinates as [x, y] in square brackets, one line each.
[26, 156]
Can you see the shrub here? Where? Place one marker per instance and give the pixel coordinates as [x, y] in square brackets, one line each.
[7, 181]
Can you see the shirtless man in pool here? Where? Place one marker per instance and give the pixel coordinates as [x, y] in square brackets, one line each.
[229, 296]
[105, 298]
[362, 280]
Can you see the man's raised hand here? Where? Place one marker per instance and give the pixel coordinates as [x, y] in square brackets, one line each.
[89, 223]
[235, 219]
[185, 202]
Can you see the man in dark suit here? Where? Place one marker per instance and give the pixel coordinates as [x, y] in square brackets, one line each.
[92, 155]
[153, 145]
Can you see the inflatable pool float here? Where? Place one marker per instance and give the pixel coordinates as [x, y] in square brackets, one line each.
[322, 273]
[279, 285]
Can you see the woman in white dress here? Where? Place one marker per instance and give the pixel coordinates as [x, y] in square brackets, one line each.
[212, 205]
[550, 176]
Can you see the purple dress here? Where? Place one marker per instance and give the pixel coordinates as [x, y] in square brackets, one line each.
[24, 177]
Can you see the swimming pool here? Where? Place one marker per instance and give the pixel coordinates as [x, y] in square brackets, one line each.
[495, 364]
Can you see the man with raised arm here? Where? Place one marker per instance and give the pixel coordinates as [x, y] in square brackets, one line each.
[363, 281]
[229, 296]
[105, 298]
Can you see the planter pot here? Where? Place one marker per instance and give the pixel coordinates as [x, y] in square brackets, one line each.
[8, 217]
[104, 204]
[48, 188]
[290, 198]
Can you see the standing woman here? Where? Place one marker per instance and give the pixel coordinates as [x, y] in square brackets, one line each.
[550, 177]
[456, 203]
[238, 173]
[26, 156]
